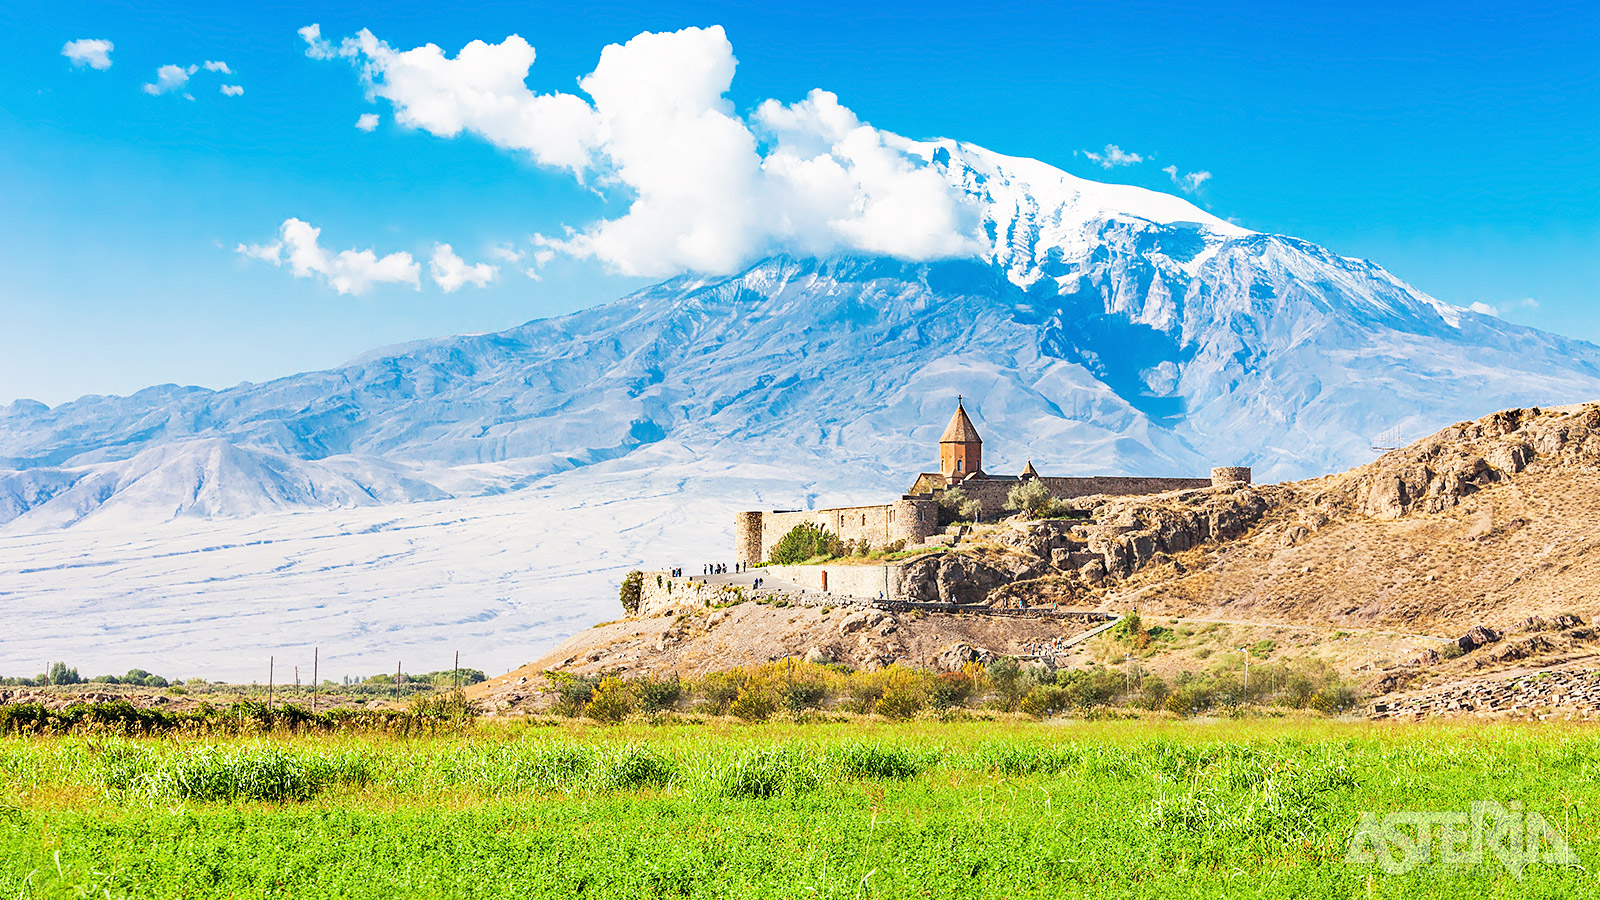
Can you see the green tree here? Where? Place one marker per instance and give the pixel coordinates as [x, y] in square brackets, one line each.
[953, 505]
[1030, 497]
[805, 541]
[632, 590]
[60, 674]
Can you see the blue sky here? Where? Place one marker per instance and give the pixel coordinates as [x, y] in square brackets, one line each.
[1458, 146]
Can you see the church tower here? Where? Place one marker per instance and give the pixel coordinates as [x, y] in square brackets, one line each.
[960, 449]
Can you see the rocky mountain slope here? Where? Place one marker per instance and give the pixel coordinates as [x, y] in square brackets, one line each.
[1105, 329]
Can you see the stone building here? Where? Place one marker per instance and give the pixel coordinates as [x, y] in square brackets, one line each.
[915, 516]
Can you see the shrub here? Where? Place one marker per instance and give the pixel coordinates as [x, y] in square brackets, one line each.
[864, 694]
[611, 701]
[1045, 700]
[899, 702]
[1131, 631]
[807, 694]
[572, 693]
[718, 691]
[655, 696]
[1005, 677]
[805, 541]
[631, 591]
[949, 689]
[754, 704]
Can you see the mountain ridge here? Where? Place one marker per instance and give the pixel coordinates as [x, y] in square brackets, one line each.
[1093, 338]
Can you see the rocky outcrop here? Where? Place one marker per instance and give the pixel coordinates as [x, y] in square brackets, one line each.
[953, 578]
[1437, 472]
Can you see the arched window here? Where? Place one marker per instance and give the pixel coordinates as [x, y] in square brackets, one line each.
[863, 519]
[960, 463]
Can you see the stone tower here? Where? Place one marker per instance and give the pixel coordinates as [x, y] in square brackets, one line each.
[960, 449]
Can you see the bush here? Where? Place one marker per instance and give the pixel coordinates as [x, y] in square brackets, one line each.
[754, 704]
[631, 591]
[611, 701]
[1005, 677]
[1131, 631]
[951, 502]
[718, 691]
[950, 689]
[655, 696]
[572, 693]
[806, 694]
[900, 702]
[1044, 701]
[805, 541]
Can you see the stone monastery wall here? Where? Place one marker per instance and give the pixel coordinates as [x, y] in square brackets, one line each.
[993, 494]
[756, 533]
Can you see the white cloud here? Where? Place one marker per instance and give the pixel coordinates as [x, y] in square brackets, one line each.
[1188, 182]
[169, 79]
[1494, 309]
[217, 66]
[348, 271]
[1112, 156]
[451, 272]
[706, 193]
[233, 90]
[367, 121]
[92, 52]
[507, 253]
[316, 47]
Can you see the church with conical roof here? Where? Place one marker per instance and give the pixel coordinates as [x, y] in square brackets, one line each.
[920, 513]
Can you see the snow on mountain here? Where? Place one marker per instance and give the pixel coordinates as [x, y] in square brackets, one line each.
[1106, 329]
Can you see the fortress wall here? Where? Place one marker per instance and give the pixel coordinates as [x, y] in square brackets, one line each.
[661, 594]
[879, 525]
[993, 494]
[1065, 488]
[859, 582]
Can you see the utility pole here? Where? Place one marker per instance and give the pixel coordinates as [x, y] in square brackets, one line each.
[270, 661]
[397, 681]
[458, 671]
[1246, 653]
[313, 680]
[1128, 670]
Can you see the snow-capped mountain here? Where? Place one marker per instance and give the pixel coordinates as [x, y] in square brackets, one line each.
[1106, 329]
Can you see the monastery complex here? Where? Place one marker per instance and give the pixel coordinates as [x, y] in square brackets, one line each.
[914, 518]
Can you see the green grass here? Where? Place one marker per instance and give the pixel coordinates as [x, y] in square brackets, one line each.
[851, 810]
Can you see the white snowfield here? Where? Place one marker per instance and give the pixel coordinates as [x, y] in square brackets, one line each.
[486, 492]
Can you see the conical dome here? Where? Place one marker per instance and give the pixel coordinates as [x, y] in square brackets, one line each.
[960, 429]
[1029, 471]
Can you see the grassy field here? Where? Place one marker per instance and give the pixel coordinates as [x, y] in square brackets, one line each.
[832, 810]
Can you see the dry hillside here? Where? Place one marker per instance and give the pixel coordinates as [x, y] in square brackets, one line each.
[1422, 573]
